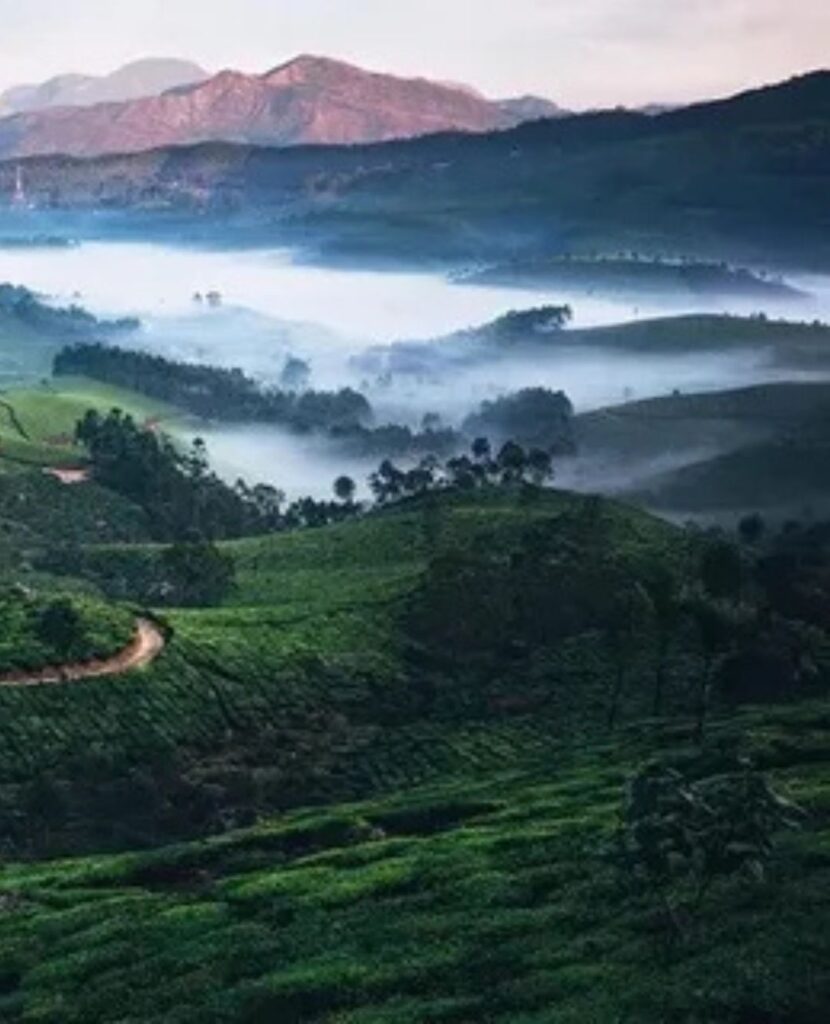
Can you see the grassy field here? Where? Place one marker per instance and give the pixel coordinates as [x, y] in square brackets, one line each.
[267, 825]
[298, 680]
[362, 862]
[37, 424]
[482, 898]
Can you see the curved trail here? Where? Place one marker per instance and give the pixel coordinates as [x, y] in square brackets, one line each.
[145, 647]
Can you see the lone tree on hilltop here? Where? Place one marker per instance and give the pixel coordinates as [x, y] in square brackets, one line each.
[345, 489]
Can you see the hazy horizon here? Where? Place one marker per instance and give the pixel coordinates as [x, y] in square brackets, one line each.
[596, 53]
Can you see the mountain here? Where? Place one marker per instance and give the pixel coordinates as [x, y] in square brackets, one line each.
[531, 108]
[149, 77]
[744, 179]
[308, 100]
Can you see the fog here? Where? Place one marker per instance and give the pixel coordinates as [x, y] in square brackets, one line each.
[273, 307]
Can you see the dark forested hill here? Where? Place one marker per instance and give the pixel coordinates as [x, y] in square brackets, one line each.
[745, 176]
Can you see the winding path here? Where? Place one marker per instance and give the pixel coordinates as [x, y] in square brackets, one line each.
[146, 645]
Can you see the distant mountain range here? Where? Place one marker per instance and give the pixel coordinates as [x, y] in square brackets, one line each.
[745, 178]
[308, 100]
[133, 81]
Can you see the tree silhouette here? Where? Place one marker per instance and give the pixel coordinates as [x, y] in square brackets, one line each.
[345, 489]
[59, 625]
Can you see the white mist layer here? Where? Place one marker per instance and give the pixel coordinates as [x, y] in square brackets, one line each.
[273, 307]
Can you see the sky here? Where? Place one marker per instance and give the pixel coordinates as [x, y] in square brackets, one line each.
[581, 53]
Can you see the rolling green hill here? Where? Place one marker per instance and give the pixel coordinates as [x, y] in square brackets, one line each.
[787, 477]
[724, 420]
[383, 779]
[487, 895]
[316, 837]
[301, 679]
[756, 449]
[37, 424]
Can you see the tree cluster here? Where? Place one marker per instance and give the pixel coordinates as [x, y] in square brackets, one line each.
[215, 393]
[536, 417]
[511, 465]
[63, 322]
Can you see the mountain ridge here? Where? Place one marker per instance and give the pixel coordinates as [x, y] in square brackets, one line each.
[144, 77]
[745, 179]
[308, 99]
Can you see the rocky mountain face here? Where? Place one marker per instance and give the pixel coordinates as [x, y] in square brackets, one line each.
[308, 100]
[149, 77]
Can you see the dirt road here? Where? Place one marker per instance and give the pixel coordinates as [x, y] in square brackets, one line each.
[147, 643]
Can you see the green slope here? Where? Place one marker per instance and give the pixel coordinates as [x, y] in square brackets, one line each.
[425, 867]
[481, 900]
[37, 424]
[298, 683]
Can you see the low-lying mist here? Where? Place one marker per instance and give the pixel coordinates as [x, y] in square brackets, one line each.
[267, 309]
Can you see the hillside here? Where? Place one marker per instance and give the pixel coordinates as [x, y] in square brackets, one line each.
[718, 419]
[300, 681]
[785, 477]
[457, 864]
[37, 424]
[481, 899]
[756, 449]
[542, 333]
[744, 179]
[32, 330]
[381, 778]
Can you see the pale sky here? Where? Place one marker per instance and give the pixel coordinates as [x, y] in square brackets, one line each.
[581, 53]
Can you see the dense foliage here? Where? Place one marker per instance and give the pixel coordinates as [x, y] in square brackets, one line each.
[62, 322]
[495, 785]
[178, 492]
[37, 629]
[212, 392]
[634, 274]
[532, 416]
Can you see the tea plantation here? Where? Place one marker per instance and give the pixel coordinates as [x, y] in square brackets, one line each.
[296, 813]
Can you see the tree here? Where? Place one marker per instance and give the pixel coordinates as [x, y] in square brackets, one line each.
[481, 449]
[345, 489]
[540, 466]
[59, 625]
[387, 482]
[717, 624]
[721, 570]
[683, 835]
[662, 586]
[535, 417]
[512, 462]
[461, 471]
[296, 374]
[751, 529]
[195, 574]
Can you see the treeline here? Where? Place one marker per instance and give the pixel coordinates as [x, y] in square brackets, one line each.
[723, 623]
[211, 392]
[177, 490]
[23, 305]
[534, 417]
[511, 466]
[181, 496]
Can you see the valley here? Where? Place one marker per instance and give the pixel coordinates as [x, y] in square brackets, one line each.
[414, 553]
